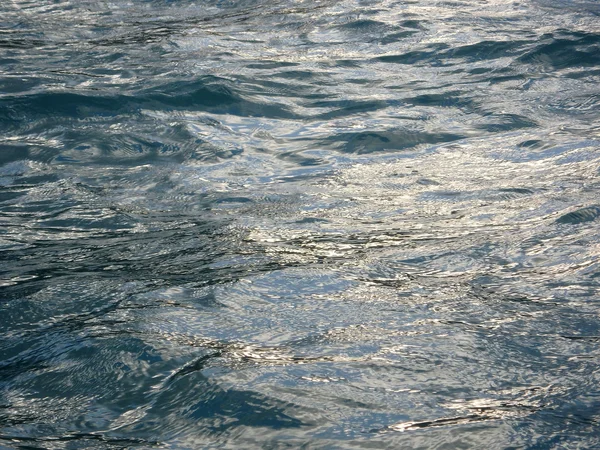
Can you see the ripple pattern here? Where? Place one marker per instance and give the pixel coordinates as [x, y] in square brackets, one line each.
[299, 224]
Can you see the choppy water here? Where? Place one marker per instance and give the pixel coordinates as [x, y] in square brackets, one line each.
[299, 224]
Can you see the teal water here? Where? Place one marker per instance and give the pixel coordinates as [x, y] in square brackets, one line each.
[299, 224]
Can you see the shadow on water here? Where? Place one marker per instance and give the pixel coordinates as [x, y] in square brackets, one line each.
[128, 410]
[74, 372]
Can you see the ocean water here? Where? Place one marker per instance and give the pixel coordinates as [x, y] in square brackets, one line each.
[299, 224]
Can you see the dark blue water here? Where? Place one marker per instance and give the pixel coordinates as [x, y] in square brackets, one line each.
[299, 224]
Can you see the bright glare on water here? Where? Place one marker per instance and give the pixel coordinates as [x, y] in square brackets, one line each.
[299, 224]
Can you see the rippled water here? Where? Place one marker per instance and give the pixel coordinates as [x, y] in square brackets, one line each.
[299, 224]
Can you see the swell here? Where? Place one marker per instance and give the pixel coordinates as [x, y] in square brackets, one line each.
[204, 94]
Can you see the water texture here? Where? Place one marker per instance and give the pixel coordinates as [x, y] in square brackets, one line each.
[299, 224]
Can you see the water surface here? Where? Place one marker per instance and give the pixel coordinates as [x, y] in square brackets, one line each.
[299, 224]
